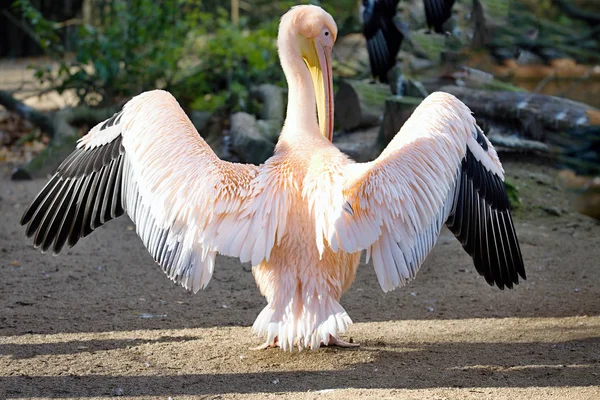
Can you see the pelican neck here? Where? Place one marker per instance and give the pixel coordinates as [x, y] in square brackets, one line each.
[301, 107]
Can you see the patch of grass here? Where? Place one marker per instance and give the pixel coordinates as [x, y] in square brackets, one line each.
[513, 194]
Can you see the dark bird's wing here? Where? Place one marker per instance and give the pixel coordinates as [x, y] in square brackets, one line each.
[437, 12]
[383, 35]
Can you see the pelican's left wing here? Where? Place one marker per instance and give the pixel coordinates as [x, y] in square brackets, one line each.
[437, 13]
[383, 35]
[439, 168]
[187, 204]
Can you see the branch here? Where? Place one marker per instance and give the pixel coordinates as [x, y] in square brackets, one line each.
[60, 126]
[40, 119]
[535, 115]
[24, 27]
[32, 34]
[69, 22]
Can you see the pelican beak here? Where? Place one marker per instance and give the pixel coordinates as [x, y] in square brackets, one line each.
[318, 60]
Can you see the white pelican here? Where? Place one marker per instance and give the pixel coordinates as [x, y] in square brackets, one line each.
[301, 218]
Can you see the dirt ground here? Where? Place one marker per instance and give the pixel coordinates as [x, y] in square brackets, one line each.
[102, 320]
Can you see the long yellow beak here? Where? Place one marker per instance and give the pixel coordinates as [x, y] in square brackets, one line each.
[318, 60]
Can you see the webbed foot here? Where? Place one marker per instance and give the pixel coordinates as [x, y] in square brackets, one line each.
[267, 345]
[333, 341]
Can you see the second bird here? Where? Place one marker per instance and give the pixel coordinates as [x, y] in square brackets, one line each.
[384, 32]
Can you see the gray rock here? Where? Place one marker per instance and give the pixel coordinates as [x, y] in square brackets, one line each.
[555, 211]
[247, 142]
[199, 119]
[272, 99]
[270, 128]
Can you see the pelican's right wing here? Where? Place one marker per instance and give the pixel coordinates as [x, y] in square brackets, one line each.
[187, 204]
[438, 169]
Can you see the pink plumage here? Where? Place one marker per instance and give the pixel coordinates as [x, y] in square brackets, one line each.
[304, 216]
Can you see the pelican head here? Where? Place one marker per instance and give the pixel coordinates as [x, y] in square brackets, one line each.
[308, 33]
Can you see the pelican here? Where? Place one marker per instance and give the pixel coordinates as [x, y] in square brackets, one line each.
[384, 33]
[437, 12]
[304, 216]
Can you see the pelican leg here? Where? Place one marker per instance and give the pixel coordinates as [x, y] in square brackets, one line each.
[267, 345]
[333, 341]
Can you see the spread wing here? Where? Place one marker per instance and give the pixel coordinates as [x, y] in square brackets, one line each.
[383, 35]
[187, 204]
[438, 169]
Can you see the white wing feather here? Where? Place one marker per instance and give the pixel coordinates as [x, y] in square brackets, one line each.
[187, 204]
[398, 203]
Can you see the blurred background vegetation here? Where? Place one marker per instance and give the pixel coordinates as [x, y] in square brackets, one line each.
[108, 50]
[212, 55]
[209, 52]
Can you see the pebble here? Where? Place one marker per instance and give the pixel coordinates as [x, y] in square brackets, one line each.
[552, 211]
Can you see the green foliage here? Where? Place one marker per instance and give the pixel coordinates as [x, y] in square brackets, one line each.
[513, 194]
[230, 61]
[138, 48]
[346, 14]
[139, 45]
[46, 34]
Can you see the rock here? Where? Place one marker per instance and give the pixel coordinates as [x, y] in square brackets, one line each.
[19, 174]
[359, 145]
[270, 128]
[199, 119]
[417, 64]
[247, 142]
[413, 88]
[397, 111]
[359, 104]
[555, 211]
[273, 102]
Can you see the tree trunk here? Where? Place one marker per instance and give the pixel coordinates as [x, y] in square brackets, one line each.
[39, 119]
[359, 104]
[536, 115]
[59, 125]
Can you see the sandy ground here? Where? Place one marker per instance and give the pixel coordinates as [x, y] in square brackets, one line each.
[102, 320]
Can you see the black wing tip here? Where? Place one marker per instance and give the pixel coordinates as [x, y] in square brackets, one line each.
[482, 222]
[501, 282]
[496, 276]
[66, 209]
[24, 221]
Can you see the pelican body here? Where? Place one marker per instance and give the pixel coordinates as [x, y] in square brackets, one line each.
[302, 218]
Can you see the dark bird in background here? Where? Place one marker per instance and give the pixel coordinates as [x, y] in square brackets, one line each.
[437, 12]
[384, 33]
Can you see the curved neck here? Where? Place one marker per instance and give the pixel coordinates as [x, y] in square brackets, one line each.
[301, 113]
